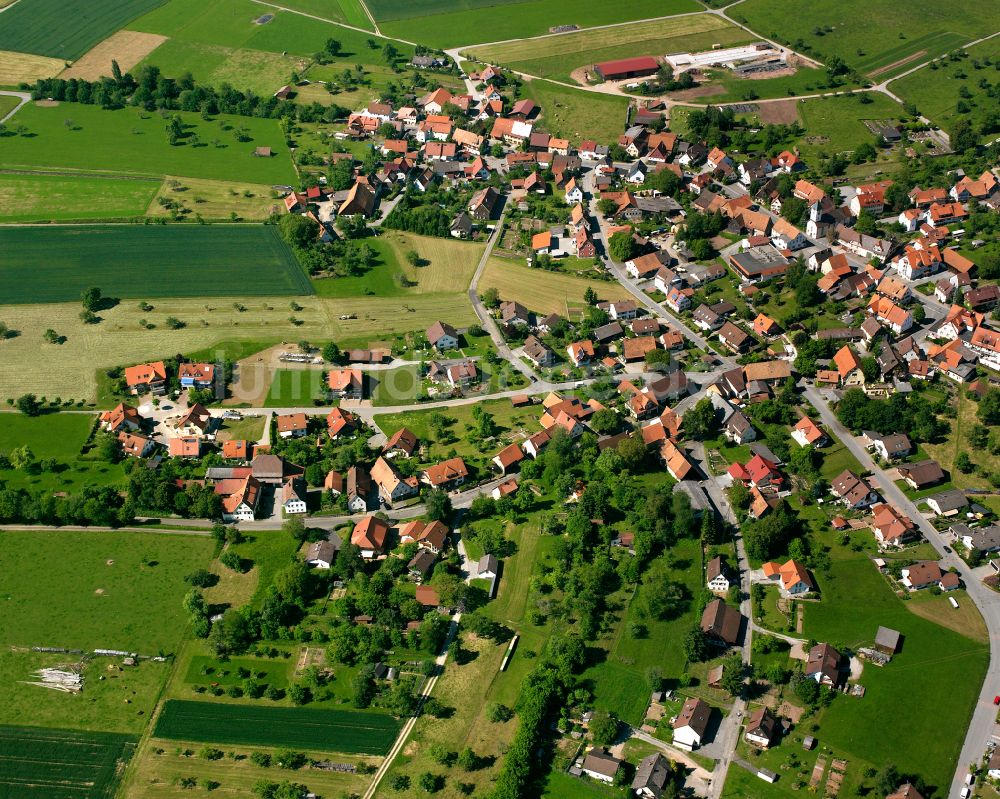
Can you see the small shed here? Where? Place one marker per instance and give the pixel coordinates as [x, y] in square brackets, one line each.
[887, 640]
[262, 152]
[715, 676]
[809, 743]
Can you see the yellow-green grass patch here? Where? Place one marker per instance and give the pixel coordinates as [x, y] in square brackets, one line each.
[64, 197]
[542, 291]
[214, 199]
[17, 68]
[127, 48]
[957, 442]
[159, 766]
[467, 690]
[115, 698]
[964, 619]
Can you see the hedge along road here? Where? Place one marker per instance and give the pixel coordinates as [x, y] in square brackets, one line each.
[56, 263]
[350, 732]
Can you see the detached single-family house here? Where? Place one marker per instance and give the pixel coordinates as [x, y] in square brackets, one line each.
[145, 377]
[691, 724]
[447, 474]
[442, 336]
[292, 425]
[721, 623]
[600, 765]
[196, 375]
[823, 665]
[369, 536]
[808, 434]
[921, 474]
[763, 728]
[716, 577]
[392, 486]
[293, 496]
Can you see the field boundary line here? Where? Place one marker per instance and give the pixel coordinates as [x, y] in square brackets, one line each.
[368, 13]
[334, 22]
[97, 175]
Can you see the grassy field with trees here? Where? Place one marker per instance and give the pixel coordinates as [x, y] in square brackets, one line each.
[578, 114]
[870, 35]
[135, 142]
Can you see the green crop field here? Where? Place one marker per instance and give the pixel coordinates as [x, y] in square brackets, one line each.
[446, 24]
[348, 11]
[133, 141]
[937, 92]
[558, 56]
[327, 730]
[877, 37]
[66, 29]
[96, 590]
[56, 264]
[53, 198]
[37, 763]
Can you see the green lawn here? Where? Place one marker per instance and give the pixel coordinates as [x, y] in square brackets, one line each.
[133, 141]
[97, 589]
[936, 92]
[560, 785]
[52, 198]
[836, 458]
[63, 29]
[60, 437]
[444, 24]
[296, 388]
[934, 661]
[56, 264]
[577, 114]
[870, 34]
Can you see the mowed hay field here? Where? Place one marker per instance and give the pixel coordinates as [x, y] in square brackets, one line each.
[215, 199]
[45, 198]
[70, 369]
[133, 141]
[542, 291]
[103, 595]
[64, 29]
[56, 264]
[17, 68]
[349, 11]
[558, 56]
[37, 763]
[352, 732]
[872, 35]
[128, 48]
[448, 24]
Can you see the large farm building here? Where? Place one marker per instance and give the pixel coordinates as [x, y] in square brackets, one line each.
[638, 67]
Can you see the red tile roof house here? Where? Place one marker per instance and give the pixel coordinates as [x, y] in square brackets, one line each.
[580, 352]
[346, 383]
[237, 449]
[135, 445]
[121, 418]
[442, 336]
[807, 433]
[186, 447]
[146, 377]
[369, 536]
[509, 456]
[292, 425]
[446, 474]
[429, 535]
[921, 575]
[196, 375]
[402, 442]
[339, 422]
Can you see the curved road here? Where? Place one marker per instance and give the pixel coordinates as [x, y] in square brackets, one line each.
[24, 97]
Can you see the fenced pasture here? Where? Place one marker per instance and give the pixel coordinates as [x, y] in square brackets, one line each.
[66, 28]
[351, 732]
[56, 264]
[42, 763]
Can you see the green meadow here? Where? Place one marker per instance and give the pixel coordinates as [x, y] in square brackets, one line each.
[54, 198]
